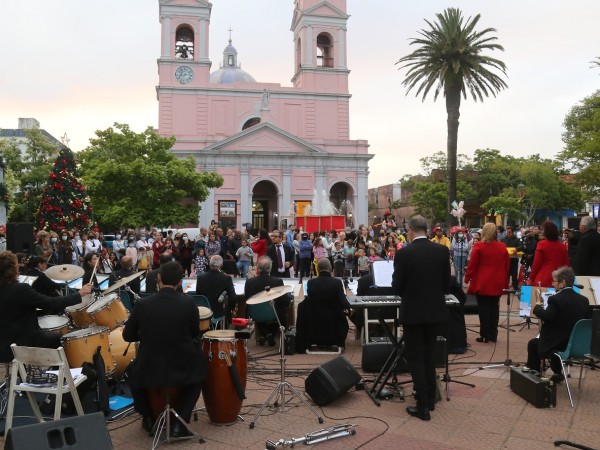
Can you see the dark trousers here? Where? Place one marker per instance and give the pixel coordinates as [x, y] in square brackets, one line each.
[304, 267]
[513, 272]
[534, 357]
[489, 314]
[420, 354]
[184, 404]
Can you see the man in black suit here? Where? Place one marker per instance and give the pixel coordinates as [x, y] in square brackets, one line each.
[422, 278]
[322, 314]
[125, 271]
[281, 255]
[166, 326]
[586, 261]
[560, 316]
[257, 284]
[18, 309]
[152, 277]
[213, 284]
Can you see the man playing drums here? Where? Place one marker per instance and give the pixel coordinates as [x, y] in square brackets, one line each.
[166, 326]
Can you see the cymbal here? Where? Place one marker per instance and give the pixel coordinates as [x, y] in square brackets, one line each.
[266, 296]
[122, 282]
[64, 272]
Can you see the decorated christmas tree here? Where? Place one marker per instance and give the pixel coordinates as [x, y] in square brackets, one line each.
[65, 203]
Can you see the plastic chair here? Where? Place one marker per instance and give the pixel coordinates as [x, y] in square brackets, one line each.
[201, 300]
[44, 357]
[577, 348]
[126, 300]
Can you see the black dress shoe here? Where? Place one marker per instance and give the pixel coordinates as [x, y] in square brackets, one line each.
[557, 378]
[418, 413]
[262, 340]
[179, 431]
[270, 339]
[147, 424]
[482, 339]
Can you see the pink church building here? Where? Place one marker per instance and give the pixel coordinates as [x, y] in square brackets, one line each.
[275, 146]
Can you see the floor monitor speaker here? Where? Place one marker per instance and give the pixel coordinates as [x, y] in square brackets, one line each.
[331, 380]
[86, 432]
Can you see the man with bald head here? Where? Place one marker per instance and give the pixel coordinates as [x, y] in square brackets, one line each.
[214, 283]
[125, 271]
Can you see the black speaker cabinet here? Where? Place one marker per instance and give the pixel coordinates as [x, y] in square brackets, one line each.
[87, 432]
[331, 380]
[375, 354]
[19, 237]
[595, 345]
[471, 306]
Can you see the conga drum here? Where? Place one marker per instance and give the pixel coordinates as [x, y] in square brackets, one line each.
[117, 347]
[78, 313]
[80, 346]
[221, 397]
[58, 324]
[205, 317]
[108, 311]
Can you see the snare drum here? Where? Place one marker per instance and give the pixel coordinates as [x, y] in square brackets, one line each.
[80, 346]
[220, 396]
[108, 311]
[117, 346]
[54, 323]
[78, 313]
[205, 316]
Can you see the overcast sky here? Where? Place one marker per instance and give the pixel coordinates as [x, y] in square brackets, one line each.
[78, 66]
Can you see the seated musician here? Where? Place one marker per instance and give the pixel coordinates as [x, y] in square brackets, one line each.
[168, 356]
[213, 284]
[42, 284]
[18, 309]
[564, 309]
[125, 271]
[322, 314]
[152, 277]
[257, 284]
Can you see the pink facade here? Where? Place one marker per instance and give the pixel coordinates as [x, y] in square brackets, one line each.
[273, 145]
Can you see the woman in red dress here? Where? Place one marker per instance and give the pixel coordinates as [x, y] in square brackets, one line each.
[550, 254]
[259, 246]
[487, 275]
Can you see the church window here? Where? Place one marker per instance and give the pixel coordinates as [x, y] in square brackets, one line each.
[324, 51]
[251, 122]
[184, 43]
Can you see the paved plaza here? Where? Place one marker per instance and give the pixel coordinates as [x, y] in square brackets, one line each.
[488, 416]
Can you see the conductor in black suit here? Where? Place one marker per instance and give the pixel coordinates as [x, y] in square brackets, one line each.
[560, 316]
[212, 284]
[258, 284]
[166, 326]
[281, 255]
[422, 278]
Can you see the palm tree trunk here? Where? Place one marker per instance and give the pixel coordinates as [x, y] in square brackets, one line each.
[453, 111]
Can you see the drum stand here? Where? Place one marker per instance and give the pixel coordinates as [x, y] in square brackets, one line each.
[279, 391]
[507, 362]
[164, 423]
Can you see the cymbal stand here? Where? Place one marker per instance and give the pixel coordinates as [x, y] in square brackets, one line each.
[507, 362]
[163, 423]
[279, 391]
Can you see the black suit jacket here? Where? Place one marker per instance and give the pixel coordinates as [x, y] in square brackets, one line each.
[321, 316]
[43, 284]
[563, 311]
[586, 261]
[134, 284]
[422, 278]
[152, 281]
[18, 315]
[212, 284]
[166, 325]
[289, 257]
[257, 284]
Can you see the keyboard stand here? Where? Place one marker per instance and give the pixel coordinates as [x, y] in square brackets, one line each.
[390, 364]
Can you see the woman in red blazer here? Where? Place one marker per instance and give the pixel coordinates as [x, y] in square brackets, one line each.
[259, 246]
[487, 275]
[550, 254]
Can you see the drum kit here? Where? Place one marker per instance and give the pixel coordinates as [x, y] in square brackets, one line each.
[97, 321]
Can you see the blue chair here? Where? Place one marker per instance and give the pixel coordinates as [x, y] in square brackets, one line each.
[202, 300]
[262, 313]
[577, 348]
[126, 300]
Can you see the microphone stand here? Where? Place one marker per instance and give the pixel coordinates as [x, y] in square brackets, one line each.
[279, 391]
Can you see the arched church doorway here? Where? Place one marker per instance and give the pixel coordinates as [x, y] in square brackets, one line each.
[264, 206]
[341, 195]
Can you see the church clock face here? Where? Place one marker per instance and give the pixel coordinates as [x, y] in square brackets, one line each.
[184, 74]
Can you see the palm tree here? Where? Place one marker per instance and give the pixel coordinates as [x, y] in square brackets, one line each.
[450, 55]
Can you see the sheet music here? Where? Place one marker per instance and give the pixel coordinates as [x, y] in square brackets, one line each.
[595, 285]
[382, 273]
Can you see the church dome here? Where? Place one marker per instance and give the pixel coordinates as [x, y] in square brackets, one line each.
[230, 71]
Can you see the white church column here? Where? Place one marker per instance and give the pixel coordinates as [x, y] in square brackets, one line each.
[309, 47]
[207, 211]
[245, 197]
[166, 50]
[320, 182]
[286, 198]
[203, 40]
[341, 48]
[361, 199]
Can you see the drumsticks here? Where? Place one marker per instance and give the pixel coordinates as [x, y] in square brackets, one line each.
[94, 272]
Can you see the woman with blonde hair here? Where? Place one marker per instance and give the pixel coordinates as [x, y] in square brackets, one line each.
[487, 275]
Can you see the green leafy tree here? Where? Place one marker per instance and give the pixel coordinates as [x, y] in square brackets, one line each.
[134, 179]
[451, 57]
[65, 203]
[582, 144]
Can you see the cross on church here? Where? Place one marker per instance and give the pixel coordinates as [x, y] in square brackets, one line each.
[230, 30]
[65, 140]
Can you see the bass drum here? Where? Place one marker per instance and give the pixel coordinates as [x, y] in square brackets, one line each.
[219, 392]
[117, 347]
[80, 346]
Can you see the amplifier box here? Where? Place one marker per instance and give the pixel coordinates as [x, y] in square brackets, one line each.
[531, 386]
[375, 354]
[289, 347]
